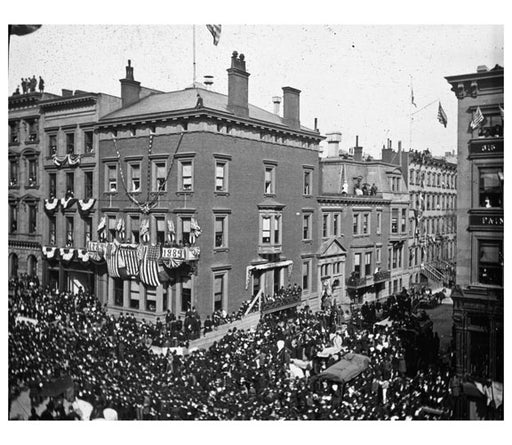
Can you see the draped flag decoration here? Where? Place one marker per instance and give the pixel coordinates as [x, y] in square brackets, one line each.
[502, 113]
[441, 116]
[144, 230]
[171, 231]
[215, 31]
[478, 118]
[74, 160]
[130, 261]
[49, 252]
[173, 257]
[96, 251]
[86, 205]
[101, 227]
[51, 205]
[59, 162]
[82, 255]
[112, 260]
[195, 230]
[66, 202]
[67, 254]
[149, 265]
[120, 228]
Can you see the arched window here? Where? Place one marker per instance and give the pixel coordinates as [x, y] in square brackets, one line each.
[13, 265]
[32, 265]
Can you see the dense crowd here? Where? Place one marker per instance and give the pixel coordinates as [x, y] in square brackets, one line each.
[245, 375]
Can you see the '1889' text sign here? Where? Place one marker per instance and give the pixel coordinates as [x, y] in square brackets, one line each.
[486, 146]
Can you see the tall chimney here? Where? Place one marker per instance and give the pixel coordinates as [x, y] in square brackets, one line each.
[333, 144]
[130, 88]
[238, 86]
[358, 151]
[277, 102]
[291, 107]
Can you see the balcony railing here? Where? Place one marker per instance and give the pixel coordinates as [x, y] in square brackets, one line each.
[381, 275]
[281, 302]
[269, 249]
[355, 281]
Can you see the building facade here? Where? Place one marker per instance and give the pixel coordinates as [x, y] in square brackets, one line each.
[478, 295]
[211, 192]
[70, 185]
[25, 184]
[365, 205]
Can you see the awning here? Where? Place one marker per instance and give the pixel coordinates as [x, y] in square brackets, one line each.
[265, 266]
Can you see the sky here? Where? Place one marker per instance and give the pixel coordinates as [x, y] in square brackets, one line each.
[354, 79]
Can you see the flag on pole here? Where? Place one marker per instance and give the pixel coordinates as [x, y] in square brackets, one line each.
[478, 118]
[412, 97]
[441, 115]
[215, 31]
[22, 30]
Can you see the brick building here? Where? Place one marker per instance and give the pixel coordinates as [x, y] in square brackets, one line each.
[69, 187]
[25, 183]
[365, 206]
[478, 295]
[219, 186]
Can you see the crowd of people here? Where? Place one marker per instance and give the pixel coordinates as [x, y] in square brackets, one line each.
[245, 375]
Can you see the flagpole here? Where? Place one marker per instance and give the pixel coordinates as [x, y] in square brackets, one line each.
[194, 54]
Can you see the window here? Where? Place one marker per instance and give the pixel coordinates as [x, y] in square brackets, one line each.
[366, 223]
[306, 227]
[378, 255]
[220, 176]
[307, 182]
[135, 229]
[13, 218]
[395, 184]
[218, 292]
[357, 264]
[32, 173]
[87, 230]
[150, 298]
[160, 230]
[70, 230]
[220, 231]
[394, 220]
[270, 180]
[186, 295]
[118, 292]
[13, 172]
[134, 177]
[306, 271]
[70, 183]
[411, 177]
[379, 223]
[185, 230]
[52, 184]
[490, 262]
[265, 230]
[395, 258]
[33, 127]
[134, 294]
[390, 257]
[404, 220]
[111, 182]
[70, 143]
[325, 225]
[186, 178]
[88, 192]
[336, 224]
[277, 233]
[15, 132]
[355, 223]
[400, 256]
[88, 142]
[52, 145]
[159, 176]
[368, 263]
[111, 228]
[52, 230]
[491, 187]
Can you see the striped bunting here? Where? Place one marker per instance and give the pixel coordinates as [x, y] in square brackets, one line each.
[112, 258]
[149, 265]
[130, 258]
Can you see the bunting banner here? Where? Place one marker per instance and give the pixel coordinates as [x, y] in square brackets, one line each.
[49, 252]
[130, 261]
[59, 162]
[112, 260]
[51, 205]
[66, 202]
[67, 253]
[86, 205]
[192, 253]
[149, 265]
[82, 255]
[74, 160]
[96, 250]
[173, 257]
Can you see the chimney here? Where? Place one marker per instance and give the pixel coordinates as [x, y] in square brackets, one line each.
[238, 86]
[399, 145]
[130, 88]
[333, 144]
[67, 93]
[291, 107]
[358, 151]
[276, 100]
[482, 69]
[316, 124]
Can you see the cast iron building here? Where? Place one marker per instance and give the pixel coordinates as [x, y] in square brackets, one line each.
[478, 295]
[220, 185]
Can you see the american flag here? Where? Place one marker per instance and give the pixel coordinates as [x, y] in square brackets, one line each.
[478, 118]
[112, 260]
[215, 31]
[441, 115]
[130, 259]
[149, 265]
